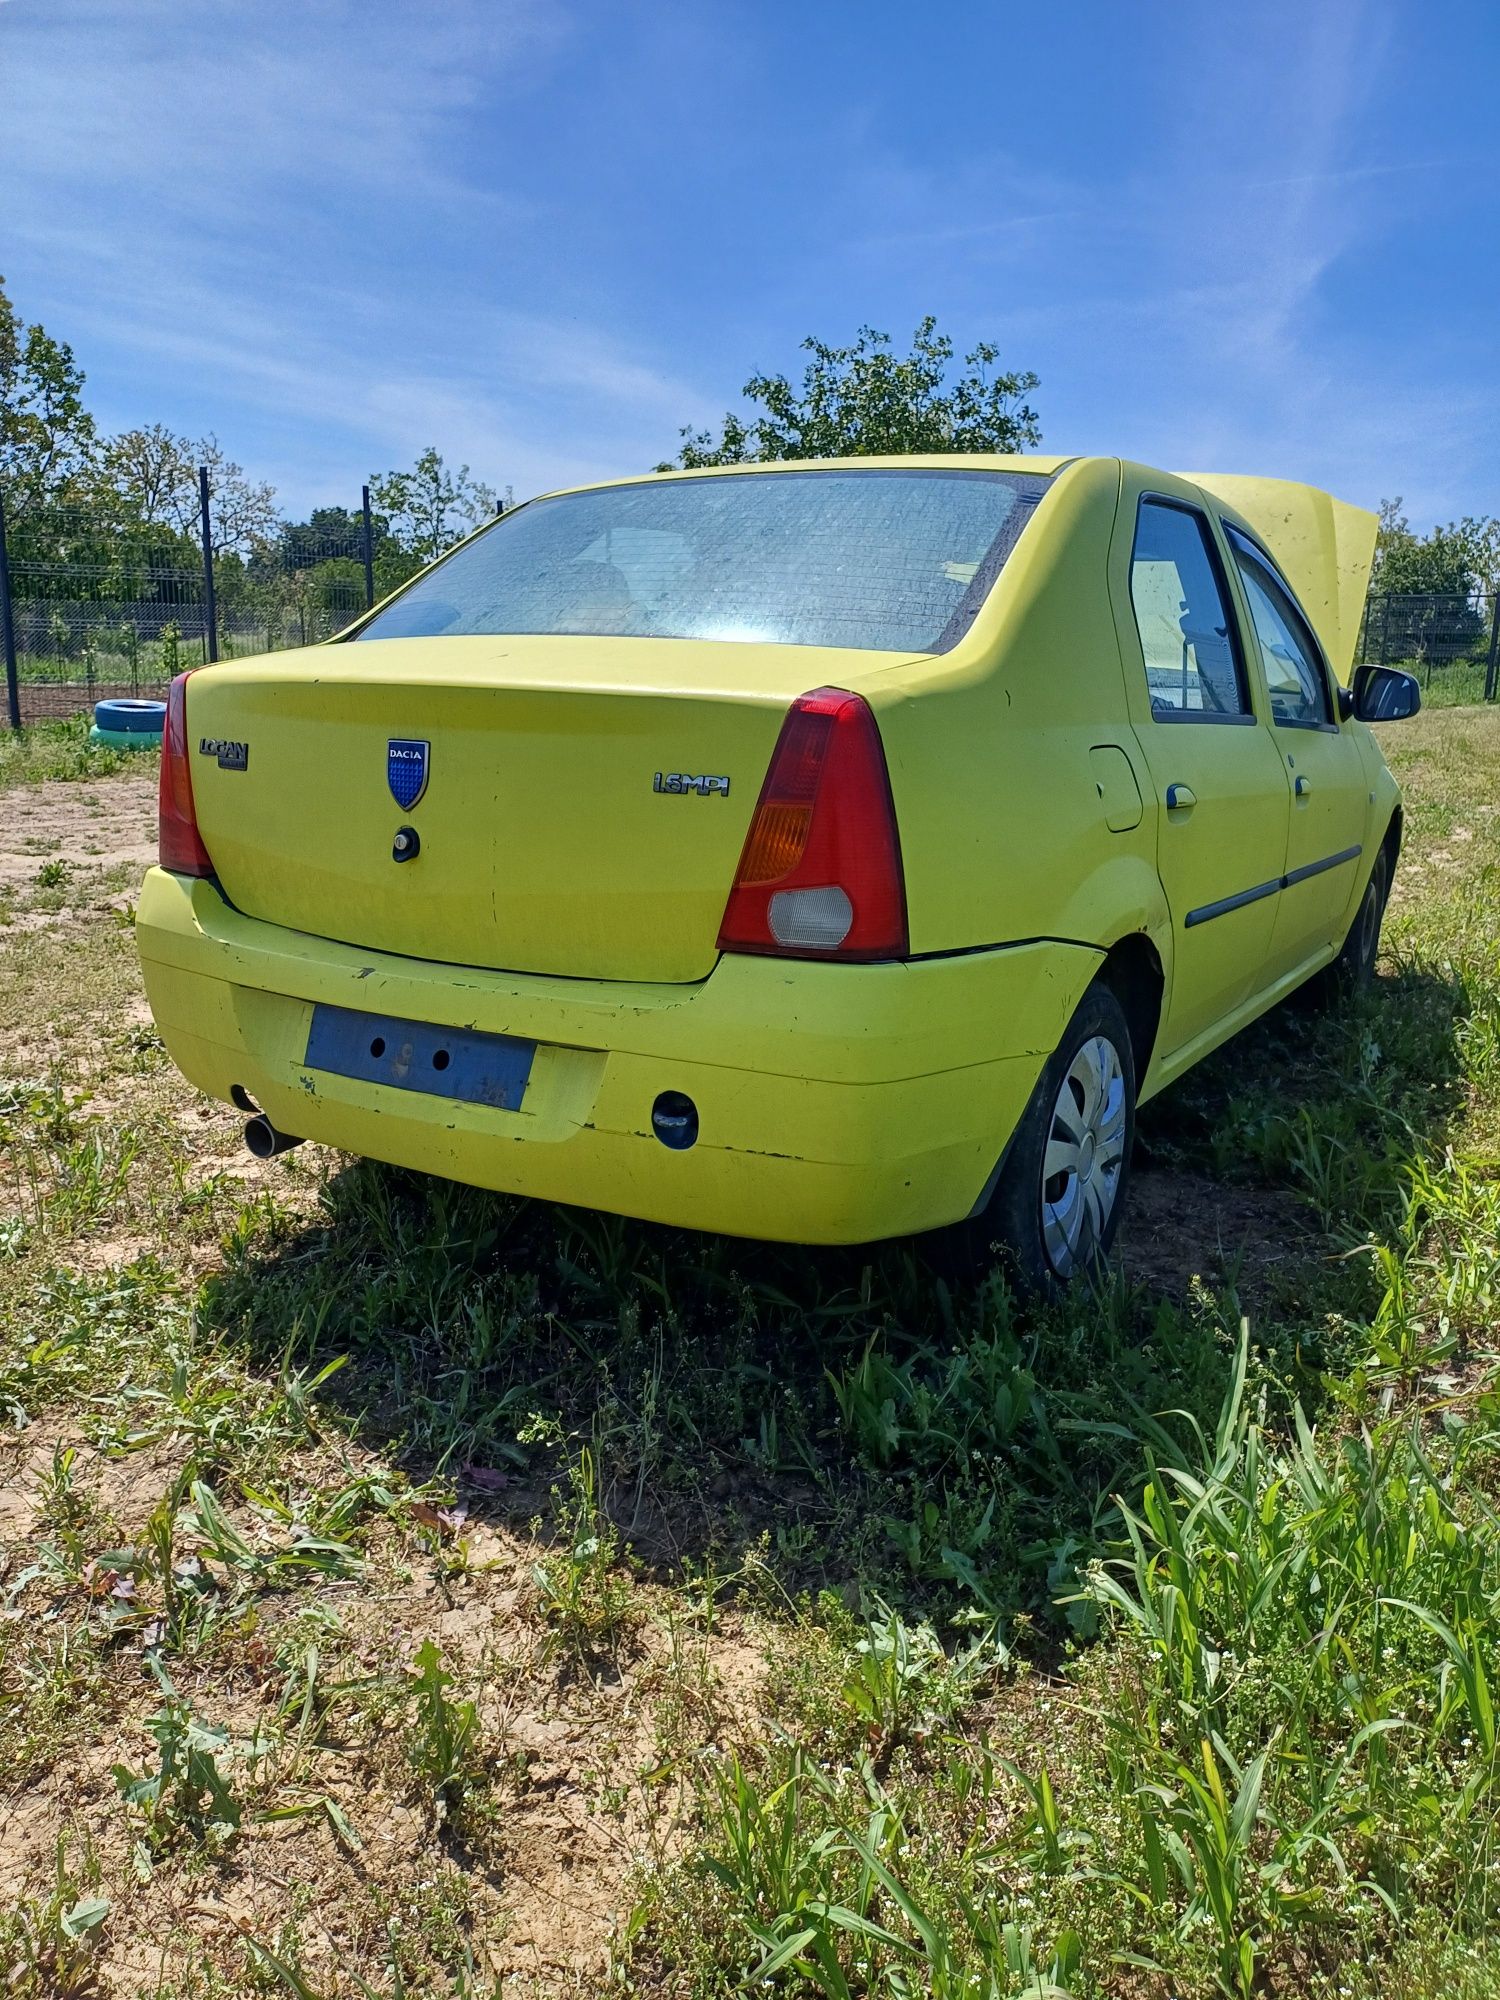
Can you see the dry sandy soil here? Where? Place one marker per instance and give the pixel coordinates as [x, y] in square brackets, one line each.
[88, 826]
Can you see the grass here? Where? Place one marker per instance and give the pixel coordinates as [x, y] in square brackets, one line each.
[56, 750]
[1449, 683]
[417, 1592]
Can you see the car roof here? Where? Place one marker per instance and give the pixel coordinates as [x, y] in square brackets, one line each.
[1044, 463]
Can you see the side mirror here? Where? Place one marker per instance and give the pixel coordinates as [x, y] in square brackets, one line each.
[1385, 694]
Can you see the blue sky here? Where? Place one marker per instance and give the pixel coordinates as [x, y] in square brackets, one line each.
[544, 236]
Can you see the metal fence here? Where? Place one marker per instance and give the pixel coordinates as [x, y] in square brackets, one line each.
[1452, 644]
[91, 607]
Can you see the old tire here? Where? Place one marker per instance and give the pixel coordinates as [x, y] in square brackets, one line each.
[128, 715]
[123, 739]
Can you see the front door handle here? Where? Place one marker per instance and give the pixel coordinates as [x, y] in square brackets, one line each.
[1302, 788]
[1179, 797]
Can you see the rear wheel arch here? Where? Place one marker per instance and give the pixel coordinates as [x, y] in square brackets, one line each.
[1133, 972]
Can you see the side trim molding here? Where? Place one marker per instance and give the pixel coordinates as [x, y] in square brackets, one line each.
[1206, 912]
[1319, 867]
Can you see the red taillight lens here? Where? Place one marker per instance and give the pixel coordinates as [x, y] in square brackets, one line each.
[179, 846]
[820, 876]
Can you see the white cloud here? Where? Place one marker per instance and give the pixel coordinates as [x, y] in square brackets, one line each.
[177, 111]
[528, 402]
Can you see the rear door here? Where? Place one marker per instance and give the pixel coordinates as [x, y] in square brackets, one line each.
[1325, 772]
[1221, 791]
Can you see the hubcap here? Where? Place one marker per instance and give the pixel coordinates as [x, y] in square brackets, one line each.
[1084, 1155]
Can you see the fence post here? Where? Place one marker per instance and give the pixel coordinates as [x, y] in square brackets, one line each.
[8, 632]
[210, 605]
[368, 541]
[1492, 667]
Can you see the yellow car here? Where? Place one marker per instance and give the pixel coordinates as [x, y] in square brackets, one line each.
[820, 852]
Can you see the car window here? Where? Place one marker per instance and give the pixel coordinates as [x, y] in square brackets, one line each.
[1193, 669]
[1288, 650]
[897, 559]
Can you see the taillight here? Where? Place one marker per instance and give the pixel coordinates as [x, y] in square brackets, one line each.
[820, 876]
[179, 845]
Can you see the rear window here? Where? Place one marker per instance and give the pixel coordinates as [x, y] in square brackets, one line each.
[894, 560]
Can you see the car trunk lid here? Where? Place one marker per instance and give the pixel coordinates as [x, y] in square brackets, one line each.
[557, 830]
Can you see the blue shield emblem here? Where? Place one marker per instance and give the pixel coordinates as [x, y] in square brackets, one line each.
[406, 770]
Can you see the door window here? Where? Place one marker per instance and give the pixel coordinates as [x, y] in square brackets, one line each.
[1193, 667]
[1288, 650]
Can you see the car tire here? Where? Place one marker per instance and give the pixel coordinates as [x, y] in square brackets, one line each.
[129, 715]
[123, 739]
[1056, 1203]
[1354, 968]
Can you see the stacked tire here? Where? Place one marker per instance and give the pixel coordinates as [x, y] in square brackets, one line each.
[128, 723]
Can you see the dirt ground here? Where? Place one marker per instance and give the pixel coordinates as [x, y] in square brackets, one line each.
[84, 826]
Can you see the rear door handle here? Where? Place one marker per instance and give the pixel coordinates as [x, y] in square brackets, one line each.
[1180, 796]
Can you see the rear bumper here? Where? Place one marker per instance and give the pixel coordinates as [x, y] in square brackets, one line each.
[837, 1104]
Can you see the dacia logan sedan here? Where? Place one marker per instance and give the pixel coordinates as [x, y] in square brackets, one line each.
[819, 852]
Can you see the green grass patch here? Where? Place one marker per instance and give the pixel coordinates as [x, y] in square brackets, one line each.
[44, 750]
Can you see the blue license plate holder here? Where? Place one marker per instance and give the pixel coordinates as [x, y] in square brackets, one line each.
[457, 1063]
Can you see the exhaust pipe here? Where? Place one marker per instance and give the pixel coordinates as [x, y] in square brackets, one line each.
[264, 1141]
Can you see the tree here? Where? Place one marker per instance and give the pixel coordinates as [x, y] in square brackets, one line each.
[1448, 562]
[328, 534]
[241, 511]
[151, 475]
[430, 508]
[151, 472]
[47, 438]
[866, 399]
[1429, 588]
[328, 549]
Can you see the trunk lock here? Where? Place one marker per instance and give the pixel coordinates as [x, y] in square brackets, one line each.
[407, 845]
